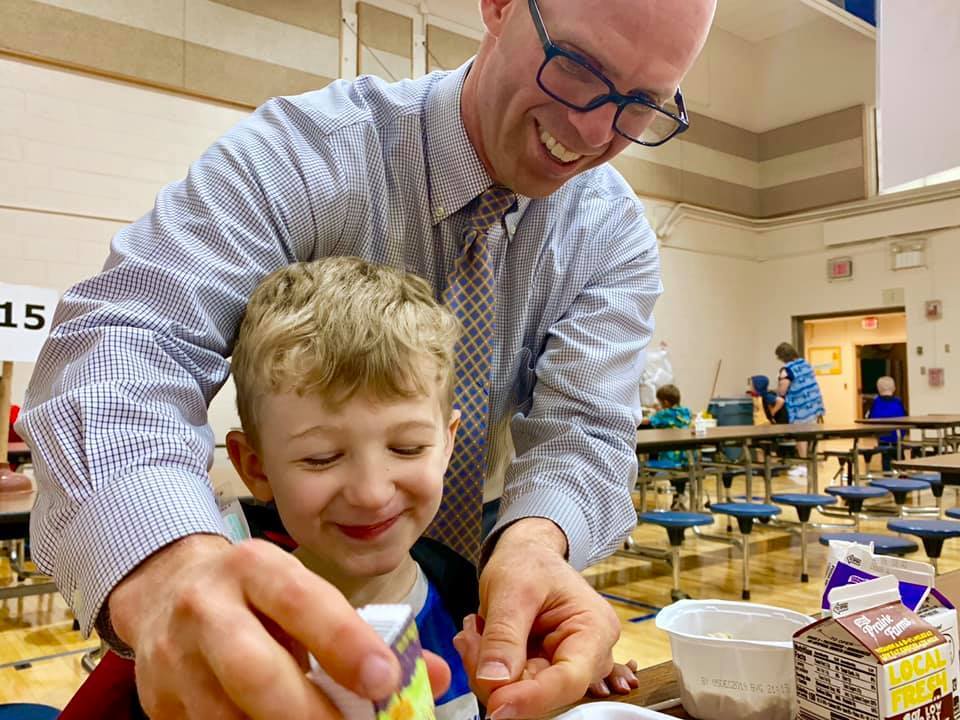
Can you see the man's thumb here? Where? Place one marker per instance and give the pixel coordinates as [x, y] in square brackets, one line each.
[503, 643]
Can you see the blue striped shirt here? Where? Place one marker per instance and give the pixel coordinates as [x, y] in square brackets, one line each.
[116, 411]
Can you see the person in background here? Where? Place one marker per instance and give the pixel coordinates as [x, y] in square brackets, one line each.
[799, 393]
[758, 387]
[670, 415]
[887, 405]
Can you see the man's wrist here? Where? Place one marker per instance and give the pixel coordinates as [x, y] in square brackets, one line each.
[535, 530]
[152, 575]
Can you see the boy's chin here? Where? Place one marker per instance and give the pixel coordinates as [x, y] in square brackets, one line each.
[374, 564]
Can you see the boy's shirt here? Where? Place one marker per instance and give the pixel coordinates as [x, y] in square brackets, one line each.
[675, 417]
[887, 406]
[437, 629]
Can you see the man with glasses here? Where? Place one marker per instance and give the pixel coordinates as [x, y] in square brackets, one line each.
[492, 183]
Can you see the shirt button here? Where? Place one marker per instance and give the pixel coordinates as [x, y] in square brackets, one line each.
[438, 213]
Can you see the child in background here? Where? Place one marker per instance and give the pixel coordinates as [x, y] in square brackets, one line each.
[344, 374]
[670, 415]
[887, 405]
[759, 387]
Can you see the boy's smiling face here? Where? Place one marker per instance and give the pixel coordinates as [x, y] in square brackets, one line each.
[355, 485]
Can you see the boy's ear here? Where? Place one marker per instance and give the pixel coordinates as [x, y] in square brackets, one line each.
[246, 461]
[452, 432]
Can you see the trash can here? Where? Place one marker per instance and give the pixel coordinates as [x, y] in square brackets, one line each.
[732, 411]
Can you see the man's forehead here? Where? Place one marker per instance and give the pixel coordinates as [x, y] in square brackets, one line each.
[632, 41]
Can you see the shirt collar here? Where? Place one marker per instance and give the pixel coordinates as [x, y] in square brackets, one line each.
[454, 171]
[455, 174]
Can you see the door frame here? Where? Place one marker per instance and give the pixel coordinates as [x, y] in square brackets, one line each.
[797, 321]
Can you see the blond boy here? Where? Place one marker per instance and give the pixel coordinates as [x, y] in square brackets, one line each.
[344, 376]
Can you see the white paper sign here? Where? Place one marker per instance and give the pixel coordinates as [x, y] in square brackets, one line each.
[25, 316]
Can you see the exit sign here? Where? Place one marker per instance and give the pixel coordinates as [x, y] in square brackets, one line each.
[871, 322]
[839, 268]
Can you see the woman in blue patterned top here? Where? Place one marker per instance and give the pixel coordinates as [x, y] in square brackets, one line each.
[798, 391]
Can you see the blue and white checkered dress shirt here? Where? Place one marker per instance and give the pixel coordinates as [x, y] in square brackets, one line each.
[116, 411]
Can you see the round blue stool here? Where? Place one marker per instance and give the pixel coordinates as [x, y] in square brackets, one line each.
[27, 711]
[931, 532]
[676, 524]
[745, 513]
[725, 480]
[882, 544]
[935, 482]
[804, 503]
[853, 496]
[899, 488]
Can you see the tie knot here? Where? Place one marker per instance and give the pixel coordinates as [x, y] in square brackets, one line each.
[491, 205]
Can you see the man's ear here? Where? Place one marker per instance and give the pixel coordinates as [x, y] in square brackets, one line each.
[246, 461]
[494, 13]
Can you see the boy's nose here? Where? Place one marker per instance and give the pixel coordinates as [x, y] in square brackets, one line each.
[371, 487]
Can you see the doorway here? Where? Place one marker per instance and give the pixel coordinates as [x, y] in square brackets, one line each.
[849, 351]
[875, 361]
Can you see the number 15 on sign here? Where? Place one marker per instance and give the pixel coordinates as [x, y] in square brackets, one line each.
[25, 316]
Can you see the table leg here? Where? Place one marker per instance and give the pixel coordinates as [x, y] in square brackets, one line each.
[813, 481]
[695, 487]
[855, 463]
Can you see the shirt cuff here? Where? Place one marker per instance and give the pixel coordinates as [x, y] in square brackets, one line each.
[562, 511]
[120, 527]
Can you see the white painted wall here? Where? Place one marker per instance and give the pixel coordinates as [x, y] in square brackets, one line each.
[794, 283]
[710, 287]
[817, 68]
[80, 157]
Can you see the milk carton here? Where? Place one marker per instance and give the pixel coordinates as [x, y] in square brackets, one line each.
[873, 660]
[850, 563]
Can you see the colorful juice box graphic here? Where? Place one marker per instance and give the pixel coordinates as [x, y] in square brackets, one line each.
[414, 701]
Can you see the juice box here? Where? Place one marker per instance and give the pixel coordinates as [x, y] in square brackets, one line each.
[414, 701]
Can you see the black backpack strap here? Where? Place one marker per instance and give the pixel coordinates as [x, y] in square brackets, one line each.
[454, 577]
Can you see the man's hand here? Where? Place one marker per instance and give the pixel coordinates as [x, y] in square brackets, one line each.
[544, 635]
[223, 631]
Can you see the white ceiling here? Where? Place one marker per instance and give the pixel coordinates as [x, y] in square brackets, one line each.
[759, 20]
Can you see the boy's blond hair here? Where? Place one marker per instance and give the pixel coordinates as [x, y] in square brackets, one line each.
[339, 325]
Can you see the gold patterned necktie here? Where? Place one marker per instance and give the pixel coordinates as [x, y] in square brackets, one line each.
[471, 295]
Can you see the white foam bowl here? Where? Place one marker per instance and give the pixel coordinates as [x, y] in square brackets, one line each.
[747, 677]
[612, 711]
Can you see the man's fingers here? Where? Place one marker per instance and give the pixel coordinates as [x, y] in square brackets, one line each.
[345, 646]
[257, 674]
[507, 619]
[439, 673]
[207, 701]
[551, 688]
[581, 658]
